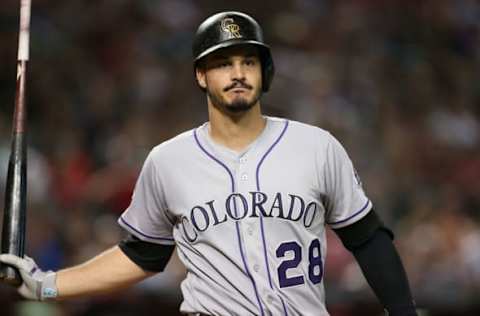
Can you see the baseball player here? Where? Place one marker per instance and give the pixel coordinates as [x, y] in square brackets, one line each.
[245, 199]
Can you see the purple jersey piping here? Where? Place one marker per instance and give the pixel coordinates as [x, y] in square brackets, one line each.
[352, 216]
[236, 223]
[143, 234]
[261, 217]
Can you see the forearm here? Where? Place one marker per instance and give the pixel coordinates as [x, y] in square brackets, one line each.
[111, 270]
[383, 269]
[371, 243]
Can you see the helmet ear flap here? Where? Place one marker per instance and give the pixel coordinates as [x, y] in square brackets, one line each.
[268, 69]
[227, 29]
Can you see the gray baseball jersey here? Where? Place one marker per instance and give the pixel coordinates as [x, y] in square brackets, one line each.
[249, 226]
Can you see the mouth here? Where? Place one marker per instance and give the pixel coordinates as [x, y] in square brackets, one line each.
[239, 90]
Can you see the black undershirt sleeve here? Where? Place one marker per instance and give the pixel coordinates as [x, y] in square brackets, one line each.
[371, 244]
[356, 234]
[149, 256]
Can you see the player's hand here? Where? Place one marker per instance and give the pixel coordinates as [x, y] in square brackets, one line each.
[37, 284]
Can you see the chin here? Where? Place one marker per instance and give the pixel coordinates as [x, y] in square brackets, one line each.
[234, 104]
[238, 109]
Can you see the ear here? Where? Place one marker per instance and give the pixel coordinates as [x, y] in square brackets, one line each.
[201, 80]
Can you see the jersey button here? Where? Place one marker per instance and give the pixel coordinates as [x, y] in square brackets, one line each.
[270, 299]
[243, 160]
[250, 230]
[244, 177]
[256, 267]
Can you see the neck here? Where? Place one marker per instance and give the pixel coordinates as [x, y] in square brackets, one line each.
[235, 131]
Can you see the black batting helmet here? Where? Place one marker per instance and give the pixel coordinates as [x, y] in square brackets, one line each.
[231, 28]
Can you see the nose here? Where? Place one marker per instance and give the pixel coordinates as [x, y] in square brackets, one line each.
[238, 72]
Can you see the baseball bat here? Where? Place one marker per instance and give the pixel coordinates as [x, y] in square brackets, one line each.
[14, 216]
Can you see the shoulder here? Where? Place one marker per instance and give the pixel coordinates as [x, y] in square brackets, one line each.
[304, 132]
[177, 146]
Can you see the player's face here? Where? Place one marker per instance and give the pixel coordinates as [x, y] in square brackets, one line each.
[232, 78]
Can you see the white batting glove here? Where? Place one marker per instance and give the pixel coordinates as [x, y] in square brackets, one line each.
[37, 284]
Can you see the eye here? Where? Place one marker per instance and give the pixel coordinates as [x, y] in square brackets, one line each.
[250, 62]
[223, 64]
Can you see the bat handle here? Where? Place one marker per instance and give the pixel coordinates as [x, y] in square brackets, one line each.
[14, 221]
[10, 275]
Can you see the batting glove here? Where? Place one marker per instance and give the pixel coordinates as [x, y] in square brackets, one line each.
[37, 284]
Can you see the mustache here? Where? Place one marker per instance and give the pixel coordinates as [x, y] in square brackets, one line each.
[238, 84]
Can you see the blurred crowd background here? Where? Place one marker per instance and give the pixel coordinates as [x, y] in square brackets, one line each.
[396, 81]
